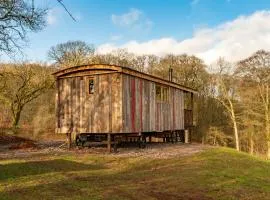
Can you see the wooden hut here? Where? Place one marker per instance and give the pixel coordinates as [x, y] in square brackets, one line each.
[119, 102]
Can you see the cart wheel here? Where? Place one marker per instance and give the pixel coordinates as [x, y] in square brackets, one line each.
[78, 141]
[142, 142]
[115, 148]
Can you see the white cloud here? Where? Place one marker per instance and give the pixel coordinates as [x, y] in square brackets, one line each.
[127, 19]
[52, 16]
[233, 40]
[134, 19]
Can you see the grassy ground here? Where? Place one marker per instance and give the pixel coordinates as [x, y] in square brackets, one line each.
[217, 173]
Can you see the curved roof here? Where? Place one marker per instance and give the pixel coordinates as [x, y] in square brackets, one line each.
[121, 69]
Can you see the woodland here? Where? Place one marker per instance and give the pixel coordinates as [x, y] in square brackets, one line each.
[232, 104]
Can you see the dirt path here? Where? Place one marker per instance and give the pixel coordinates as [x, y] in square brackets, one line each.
[37, 149]
[163, 151]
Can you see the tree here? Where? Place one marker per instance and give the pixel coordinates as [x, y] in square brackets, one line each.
[152, 63]
[226, 94]
[2, 82]
[17, 17]
[117, 57]
[256, 69]
[23, 83]
[71, 53]
[187, 70]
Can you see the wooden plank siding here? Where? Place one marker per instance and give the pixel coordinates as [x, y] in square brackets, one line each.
[121, 103]
[78, 111]
[85, 70]
[143, 113]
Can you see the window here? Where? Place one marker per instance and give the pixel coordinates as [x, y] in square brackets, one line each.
[162, 93]
[91, 86]
[188, 101]
[158, 92]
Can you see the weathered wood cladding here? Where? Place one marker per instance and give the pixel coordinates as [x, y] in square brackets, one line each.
[85, 69]
[78, 111]
[143, 113]
[123, 101]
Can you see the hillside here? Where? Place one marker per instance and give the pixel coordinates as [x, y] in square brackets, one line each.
[214, 173]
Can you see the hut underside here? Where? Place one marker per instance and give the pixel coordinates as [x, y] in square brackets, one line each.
[109, 105]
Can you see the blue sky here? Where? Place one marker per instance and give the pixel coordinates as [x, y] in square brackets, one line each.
[159, 27]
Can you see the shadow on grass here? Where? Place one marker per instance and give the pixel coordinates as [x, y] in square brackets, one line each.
[138, 181]
[217, 174]
[16, 170]
[119, 185]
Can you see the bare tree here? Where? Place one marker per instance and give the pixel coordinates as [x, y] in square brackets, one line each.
[2, 81]
[71, 53]
[117, 57]
[187, 70]
[17, 17]
[65, 8]
[225, 86]
[256, 69]
[24, 83]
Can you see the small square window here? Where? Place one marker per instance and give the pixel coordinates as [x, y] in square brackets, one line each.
[162, 93]
[91, 86]
[158, 92]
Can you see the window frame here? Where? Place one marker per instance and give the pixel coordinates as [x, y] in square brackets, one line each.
[188, 102]
[91, 91]
[162, 93]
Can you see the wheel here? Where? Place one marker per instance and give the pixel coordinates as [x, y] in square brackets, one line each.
[79, 142]
[115, 147]
[142, 142]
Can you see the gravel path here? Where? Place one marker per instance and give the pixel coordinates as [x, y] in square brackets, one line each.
[154, 150]
[163, 151]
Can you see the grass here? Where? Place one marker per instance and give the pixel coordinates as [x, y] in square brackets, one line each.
[218, 173]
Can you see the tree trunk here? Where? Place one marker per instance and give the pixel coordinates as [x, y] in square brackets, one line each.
[268, 138]
[236, 135]
[267, 121]
[251, 143]
[268, 149]
[235, 128]
[16, 120]
[215, 139]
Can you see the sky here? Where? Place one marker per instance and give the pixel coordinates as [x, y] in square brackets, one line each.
[209, 29]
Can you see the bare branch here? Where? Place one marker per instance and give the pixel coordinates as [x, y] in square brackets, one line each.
[63, 5]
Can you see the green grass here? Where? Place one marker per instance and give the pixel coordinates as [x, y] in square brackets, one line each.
[218, 173]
